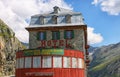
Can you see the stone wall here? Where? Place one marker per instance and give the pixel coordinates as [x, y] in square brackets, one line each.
[76, 43]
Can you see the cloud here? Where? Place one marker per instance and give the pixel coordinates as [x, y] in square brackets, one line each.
[93, 38]
[17, 13]
[112, 7]
[95, 2]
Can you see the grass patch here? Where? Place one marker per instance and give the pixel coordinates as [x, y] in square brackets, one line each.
[104, 64]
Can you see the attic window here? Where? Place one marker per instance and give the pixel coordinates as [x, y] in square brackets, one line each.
[68, 18]
[41, 20]
[54, 19]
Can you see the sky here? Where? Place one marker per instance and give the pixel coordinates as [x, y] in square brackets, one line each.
[101, 16]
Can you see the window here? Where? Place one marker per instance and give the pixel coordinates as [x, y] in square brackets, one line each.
[74, 62]
[69, 34]
[28, 61]
[80, 63]
[55, 35]
[61, 20]
[54, 19]
[47, 62]
[35, 20]
[36, 62]
[66, 61]
[41, 20]
[17, 63]
[68, 18]
[57, 62]
[21, 62]
[41, 36]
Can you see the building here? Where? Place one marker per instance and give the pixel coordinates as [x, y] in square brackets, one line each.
[57, 46]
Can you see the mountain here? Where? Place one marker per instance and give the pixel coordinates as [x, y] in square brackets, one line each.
[26, 45]
[105, 61]
[9, 44]
[92, 49]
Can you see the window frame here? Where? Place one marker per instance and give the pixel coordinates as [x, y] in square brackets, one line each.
[74, 62]
[17, 63]
[42, 20]
[40, 37]
[28, 62]
[55, 34]
[71, 35]
[66, 62]
[68, 18]
[49, 63]
[57, 59]
[37, 59]
[21, 62]
[54, 19]
[80, 63]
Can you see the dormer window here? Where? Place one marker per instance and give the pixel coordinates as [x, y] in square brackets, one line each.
[68, 18]
[54, 19]
[41, 20]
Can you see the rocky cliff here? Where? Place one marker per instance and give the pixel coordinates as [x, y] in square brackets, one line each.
[9, 44]
[106, 61]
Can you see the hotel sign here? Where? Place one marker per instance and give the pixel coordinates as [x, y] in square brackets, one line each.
[55, 43]
[43, 52]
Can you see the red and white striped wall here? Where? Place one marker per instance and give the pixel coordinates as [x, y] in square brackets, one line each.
[71, 64]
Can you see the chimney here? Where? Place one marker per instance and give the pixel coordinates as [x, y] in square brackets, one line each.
[56, 8]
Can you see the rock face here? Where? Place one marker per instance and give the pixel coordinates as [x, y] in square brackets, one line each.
[9, 44]
[106, 61]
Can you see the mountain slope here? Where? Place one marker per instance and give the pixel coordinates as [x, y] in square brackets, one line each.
[9, 44]
[106, 61]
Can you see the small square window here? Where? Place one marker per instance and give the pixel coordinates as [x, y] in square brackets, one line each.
[69, 34]
[55, 35]
[41, 36]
